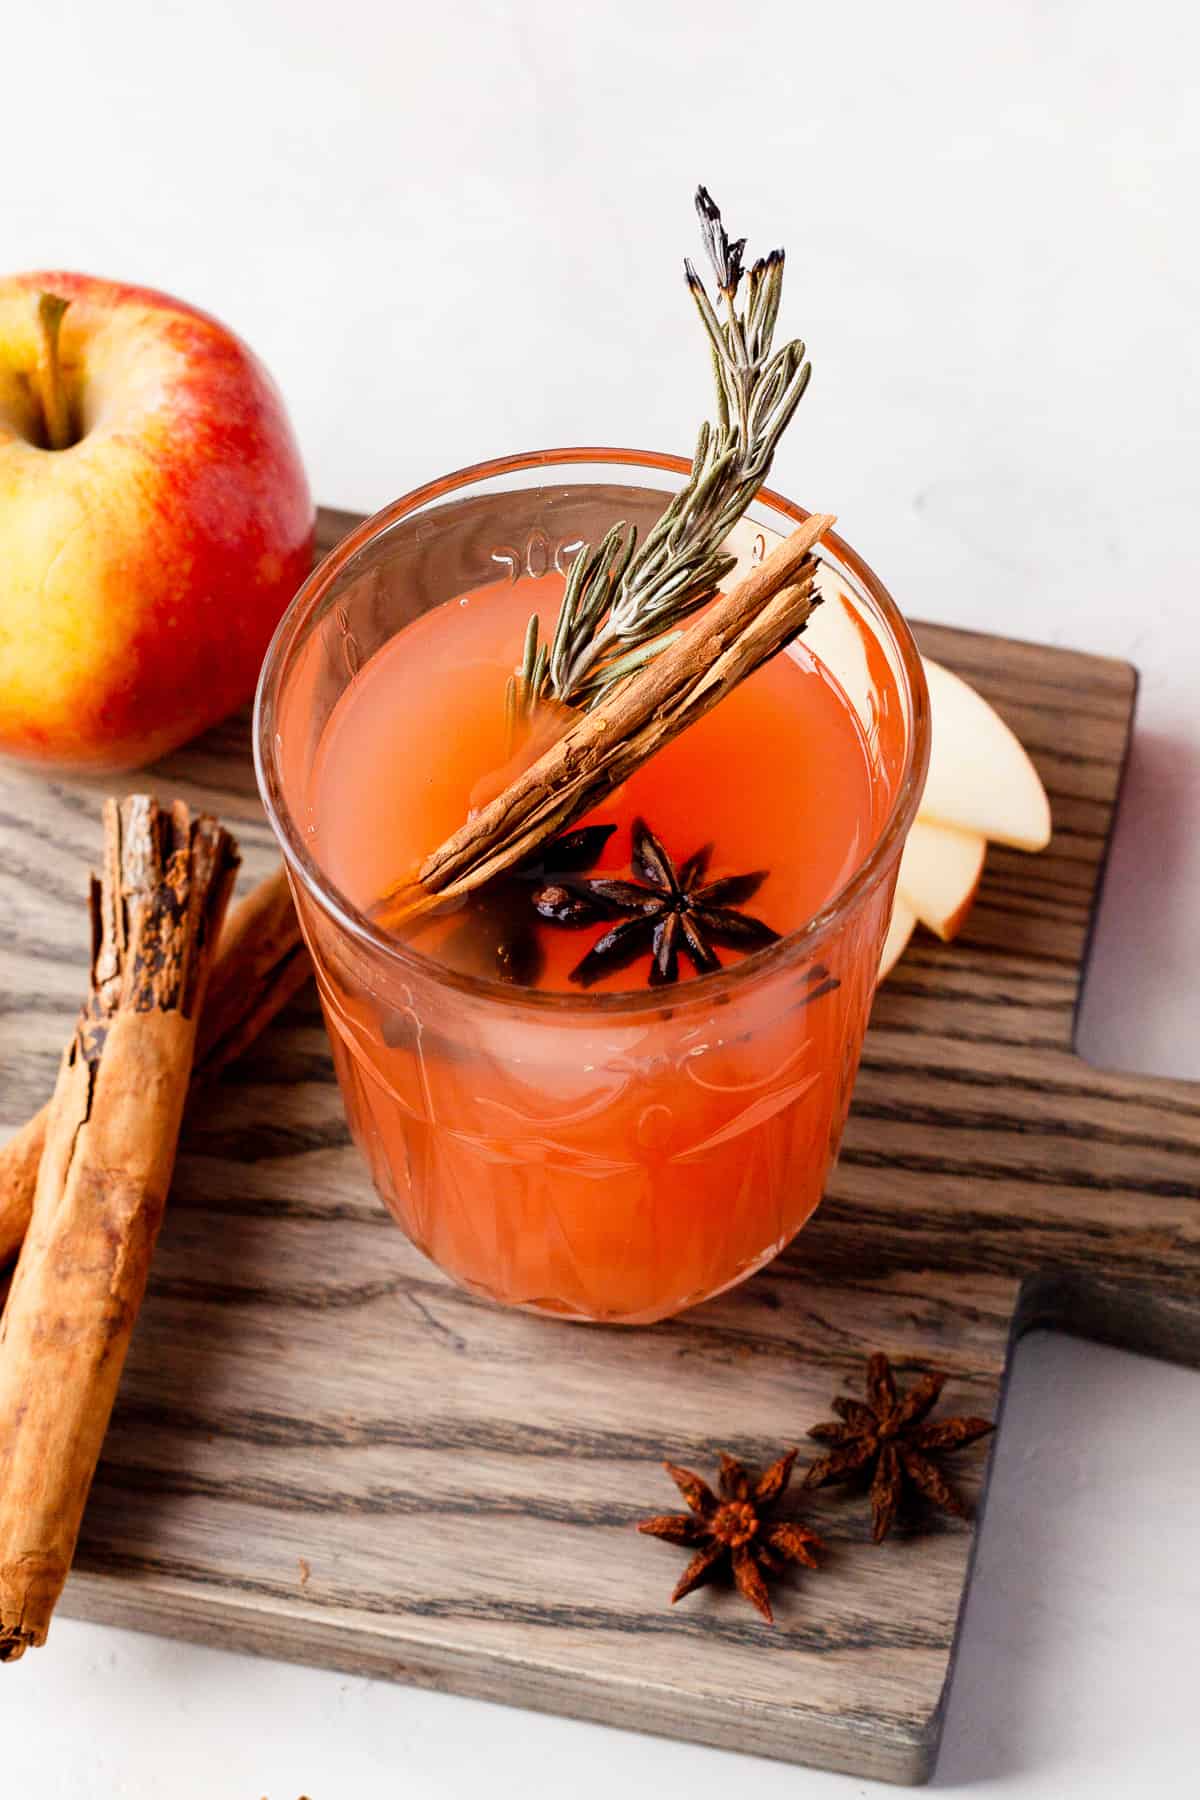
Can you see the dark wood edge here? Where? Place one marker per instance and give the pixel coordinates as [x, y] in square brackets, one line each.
[1085, 961]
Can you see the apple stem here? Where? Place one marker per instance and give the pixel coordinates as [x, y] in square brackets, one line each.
[51, 388]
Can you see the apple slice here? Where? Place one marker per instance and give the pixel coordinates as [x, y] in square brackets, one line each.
[939, 873]
[903, 923]
[980, 778]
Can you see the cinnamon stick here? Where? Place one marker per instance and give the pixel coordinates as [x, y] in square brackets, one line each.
[19, 1161]
[725, 644]
[101, 1188]
[261, 962]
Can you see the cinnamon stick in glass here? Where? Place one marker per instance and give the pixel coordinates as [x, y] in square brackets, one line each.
[261, 962]
[738, 633]
[101, 1188]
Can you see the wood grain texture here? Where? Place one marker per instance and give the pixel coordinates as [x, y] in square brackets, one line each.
[324, 1451]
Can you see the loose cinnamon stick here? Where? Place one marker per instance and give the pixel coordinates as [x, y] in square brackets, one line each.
[101, 1188]
[739, 632]
[19, 1161]
[261, 962]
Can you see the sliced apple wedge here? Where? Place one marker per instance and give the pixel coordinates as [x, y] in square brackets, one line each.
[980, 778]
[903, 924]
[939, 873]
[981, 786]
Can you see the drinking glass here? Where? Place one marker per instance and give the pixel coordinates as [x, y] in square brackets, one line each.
[612, 1157]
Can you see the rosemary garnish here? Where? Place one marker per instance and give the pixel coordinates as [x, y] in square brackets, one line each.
[622, 603]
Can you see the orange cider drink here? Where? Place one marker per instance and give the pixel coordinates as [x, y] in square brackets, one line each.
[611, 1083]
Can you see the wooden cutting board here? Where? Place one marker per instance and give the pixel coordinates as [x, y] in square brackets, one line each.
[323, 1451]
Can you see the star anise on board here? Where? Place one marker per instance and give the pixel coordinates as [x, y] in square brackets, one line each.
[666, 911]
[890, 1438]
[730, 1528]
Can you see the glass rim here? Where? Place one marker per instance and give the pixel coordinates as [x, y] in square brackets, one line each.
[698, 990]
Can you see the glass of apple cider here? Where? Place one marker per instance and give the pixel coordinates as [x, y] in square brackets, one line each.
[613, 1151]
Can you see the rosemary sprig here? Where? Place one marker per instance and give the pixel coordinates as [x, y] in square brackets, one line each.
[622, 604]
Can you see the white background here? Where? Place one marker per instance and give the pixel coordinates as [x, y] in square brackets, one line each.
[454, 231]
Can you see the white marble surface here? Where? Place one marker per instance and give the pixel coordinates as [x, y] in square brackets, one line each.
[455, 232]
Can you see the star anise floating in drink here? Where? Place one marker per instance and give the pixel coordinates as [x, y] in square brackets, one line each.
[667, 911]
[497, 934]
[730, 1529]
[890, 1439]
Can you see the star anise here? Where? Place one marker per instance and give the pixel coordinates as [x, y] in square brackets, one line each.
[497, 934]
[730, 1527]
[667, 911]
[891, 1439]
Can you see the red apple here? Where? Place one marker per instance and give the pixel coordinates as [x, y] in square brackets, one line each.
[145, 564]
